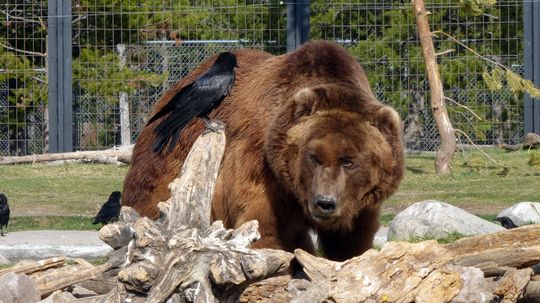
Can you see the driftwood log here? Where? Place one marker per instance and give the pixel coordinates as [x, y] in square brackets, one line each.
[117, 155]
[183, 257]
[531, 141]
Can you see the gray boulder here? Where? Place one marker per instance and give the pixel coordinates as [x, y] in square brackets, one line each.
[17, 288]
[435, 219]
[520, 214]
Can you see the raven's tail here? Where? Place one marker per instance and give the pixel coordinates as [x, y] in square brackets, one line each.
[169, 131]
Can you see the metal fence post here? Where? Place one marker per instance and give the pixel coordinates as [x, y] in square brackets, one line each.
[297, 23]
[531, 19]
[60, 76]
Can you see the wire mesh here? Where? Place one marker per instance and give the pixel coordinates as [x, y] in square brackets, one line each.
[127, 53]
[382, 35]
[23, 80]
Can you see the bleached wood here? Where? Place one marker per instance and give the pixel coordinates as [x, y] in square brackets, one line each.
[446, 150]
[103, 156]
[56, 281]
[191, 196]
[29, 267]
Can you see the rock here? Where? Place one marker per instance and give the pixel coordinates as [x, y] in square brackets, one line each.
[475, 287]
[531, 140]
[435, 219]
[4, 260]
[522, 213]
[381, 237]
[81, 292]
[59, 297]
[18, 288]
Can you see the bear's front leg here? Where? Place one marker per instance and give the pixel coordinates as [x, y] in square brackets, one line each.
[340, 245]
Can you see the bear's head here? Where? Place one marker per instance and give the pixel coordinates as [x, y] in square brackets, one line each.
[338, 150]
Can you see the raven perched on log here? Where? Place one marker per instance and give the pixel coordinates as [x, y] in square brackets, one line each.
[197, 99]
[4, 213]
[110, 210]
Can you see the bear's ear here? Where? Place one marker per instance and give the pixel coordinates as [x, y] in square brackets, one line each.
[306, 101]
[387, 120]
[389, 124]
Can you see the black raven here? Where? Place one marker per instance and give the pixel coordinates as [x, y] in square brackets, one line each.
[506, 222]
[197, 99]
[4, 213]
[110, 210]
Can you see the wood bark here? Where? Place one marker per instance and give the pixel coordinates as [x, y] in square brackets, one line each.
[181, 256]
[59, 280]
[531, 141]
[496, 253]
[29, 267]
[115, 155]
[447, 149]
[123, 104]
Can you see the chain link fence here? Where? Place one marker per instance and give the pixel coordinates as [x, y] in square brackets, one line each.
[383, 36]
[126, 54]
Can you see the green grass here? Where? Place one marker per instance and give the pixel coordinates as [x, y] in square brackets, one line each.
[64, 190]
[385, 219]
[453, 237]
[23, 223]
[67, 196]
[476, 184]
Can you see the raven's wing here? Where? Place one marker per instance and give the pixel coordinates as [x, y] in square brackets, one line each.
[190, 103]
[109, 210]
[4, 209]
[177, 100]
[4, 215]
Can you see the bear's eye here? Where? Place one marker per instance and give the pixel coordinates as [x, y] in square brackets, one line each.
[345, 162]
[315, 160]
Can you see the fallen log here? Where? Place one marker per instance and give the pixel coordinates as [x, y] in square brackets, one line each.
[498, 252]
[59, 280]
[29, 267]
[531, 141]
[109, 156]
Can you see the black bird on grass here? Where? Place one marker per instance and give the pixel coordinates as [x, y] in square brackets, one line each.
[4, 213]
[197, 99]
[110, 210]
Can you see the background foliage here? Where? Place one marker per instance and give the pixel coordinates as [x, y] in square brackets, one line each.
[165, 39]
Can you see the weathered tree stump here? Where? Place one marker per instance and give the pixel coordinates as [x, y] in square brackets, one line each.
[182, 255]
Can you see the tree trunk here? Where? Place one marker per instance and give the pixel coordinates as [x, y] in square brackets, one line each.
[123, 104]
[445, 154]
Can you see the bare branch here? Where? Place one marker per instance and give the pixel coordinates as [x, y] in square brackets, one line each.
[465, 107]
[479, 149]
[435, 33]
[445, 52]
[18, 18]
[23, 51]
[81, 17]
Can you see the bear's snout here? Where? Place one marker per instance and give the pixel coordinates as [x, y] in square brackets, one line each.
[324, 205]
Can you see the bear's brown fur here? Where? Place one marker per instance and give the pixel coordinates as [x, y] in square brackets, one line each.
[308, 147]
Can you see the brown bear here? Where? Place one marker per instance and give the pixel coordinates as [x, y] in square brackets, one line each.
[309, 147]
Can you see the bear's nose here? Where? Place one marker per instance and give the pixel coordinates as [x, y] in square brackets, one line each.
[325, 203]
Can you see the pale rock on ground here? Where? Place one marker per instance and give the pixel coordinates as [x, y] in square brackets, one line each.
[435, 219]
[4, 260]
[37, 245]
[522, 213]
[17, 288]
